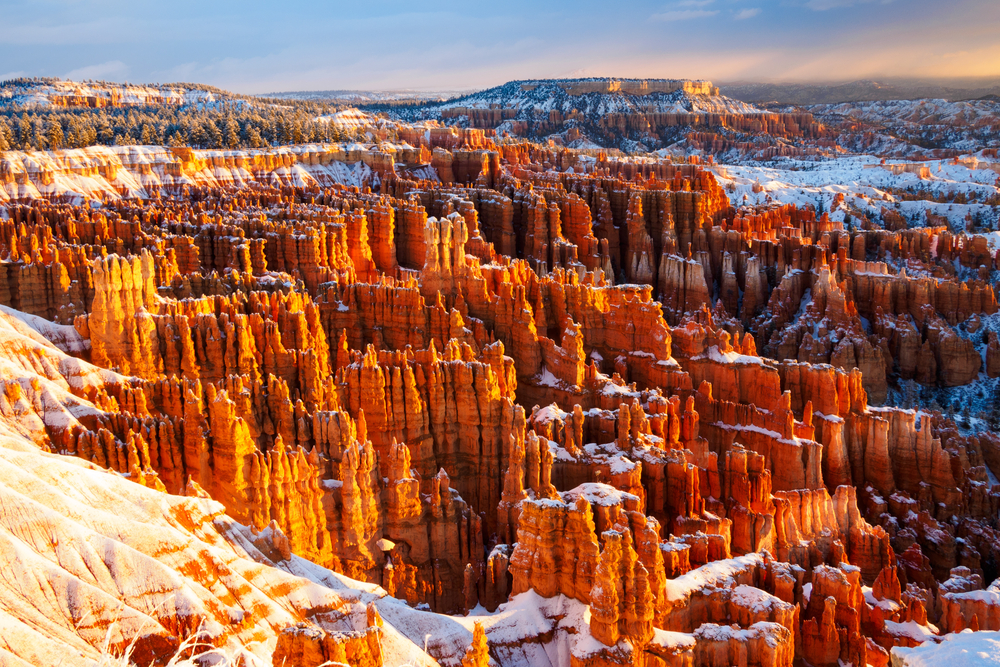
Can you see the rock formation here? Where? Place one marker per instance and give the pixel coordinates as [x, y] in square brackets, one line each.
[526, 378]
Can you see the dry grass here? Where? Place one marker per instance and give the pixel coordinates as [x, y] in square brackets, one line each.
[192, 652]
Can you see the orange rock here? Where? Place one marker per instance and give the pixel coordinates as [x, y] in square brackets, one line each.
[478, 653]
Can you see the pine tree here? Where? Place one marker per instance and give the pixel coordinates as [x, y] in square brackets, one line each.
[37, 138]
[24, 131]
[89, 135]
[253, 138]
[54, 133]
[213, 134]
[73, 133]
[232, 133]
[105, 134]
[177, 139]
[197, 135]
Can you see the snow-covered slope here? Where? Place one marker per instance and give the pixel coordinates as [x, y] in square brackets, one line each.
[83, 577]
[867, 187]
[906, 127]
[31, 93]
[43, 387]
[115, 172]
[84, 572]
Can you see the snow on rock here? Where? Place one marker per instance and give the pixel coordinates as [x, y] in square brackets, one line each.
[589, 97]
[89, 576]
[158, 572]
[52, 383]
[754, 599]
[993, 240]
[942, 123]
[86, 573]
[549, 413]
[597, 493]
[665, 639]
[731, 357]
[720, 573]
[911, 630]
[110, 173]
[965, 649]
[866, 186]
[63, 336]
[513, 630]
[547, 379]
[718, 633]
[104, 93]
[349, 119]
[528, 615]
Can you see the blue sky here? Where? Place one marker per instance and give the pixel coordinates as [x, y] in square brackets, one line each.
[254, 47]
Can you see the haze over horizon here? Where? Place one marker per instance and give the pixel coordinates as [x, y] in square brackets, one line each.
[256, 47]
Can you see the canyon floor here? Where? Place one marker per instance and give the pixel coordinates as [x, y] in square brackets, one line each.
[473, 389]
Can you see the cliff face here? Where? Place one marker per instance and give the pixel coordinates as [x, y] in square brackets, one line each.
[539, 381]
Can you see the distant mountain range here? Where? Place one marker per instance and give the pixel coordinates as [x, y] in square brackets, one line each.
[861, 91]
[367, 96]
[866, 90]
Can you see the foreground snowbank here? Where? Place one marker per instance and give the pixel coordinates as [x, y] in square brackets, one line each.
[965, 649]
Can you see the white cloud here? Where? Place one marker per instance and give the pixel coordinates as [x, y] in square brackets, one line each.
[683, 14]
[113, 69]
[748, 13]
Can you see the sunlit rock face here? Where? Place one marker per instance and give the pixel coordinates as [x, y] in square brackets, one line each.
[482, 401]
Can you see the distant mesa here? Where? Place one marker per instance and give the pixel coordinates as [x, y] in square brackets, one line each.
[627, 86]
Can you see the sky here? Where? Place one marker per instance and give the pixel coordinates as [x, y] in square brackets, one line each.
[251, 46]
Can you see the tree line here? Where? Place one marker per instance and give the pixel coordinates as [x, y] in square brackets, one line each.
[230, 124]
